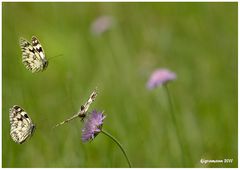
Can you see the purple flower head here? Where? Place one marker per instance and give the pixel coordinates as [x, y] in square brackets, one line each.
[92, 126]
[101, 25]
[160, 77]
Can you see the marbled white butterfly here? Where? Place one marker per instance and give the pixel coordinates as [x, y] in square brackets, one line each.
[33, 56]
[21, 124]
[83, 109]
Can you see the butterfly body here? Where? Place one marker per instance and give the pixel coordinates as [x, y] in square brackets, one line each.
[21, 124]
[33, 56]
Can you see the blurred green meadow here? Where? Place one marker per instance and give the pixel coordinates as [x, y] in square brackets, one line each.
[198, 41]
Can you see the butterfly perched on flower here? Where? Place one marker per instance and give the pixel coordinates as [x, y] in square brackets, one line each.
[21, 124]
[33, 56]
[83, 109]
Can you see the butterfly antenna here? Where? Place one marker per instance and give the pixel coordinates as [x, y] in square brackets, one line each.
[50, 58]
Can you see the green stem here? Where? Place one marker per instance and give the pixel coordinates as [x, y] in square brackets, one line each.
[175, 124]
[120, 146]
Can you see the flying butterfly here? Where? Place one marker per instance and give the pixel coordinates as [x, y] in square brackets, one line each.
[33, 56]
[21, 124]
[83, 110]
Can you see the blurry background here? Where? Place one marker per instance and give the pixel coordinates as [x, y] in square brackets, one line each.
[117, 53]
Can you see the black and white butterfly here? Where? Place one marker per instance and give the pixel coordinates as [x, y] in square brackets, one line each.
[33, 56]
[21, 124]
[83, 110]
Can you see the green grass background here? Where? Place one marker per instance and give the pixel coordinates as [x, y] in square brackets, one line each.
[198, 41]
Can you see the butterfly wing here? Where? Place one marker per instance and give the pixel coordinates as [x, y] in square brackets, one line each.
[31, 58]
[21, 124]
[37, 46]
[84, 108]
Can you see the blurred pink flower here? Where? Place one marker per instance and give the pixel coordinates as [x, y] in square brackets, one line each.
[160, 77]
[101, 24]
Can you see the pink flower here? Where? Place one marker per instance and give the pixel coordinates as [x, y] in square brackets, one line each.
[92, 126]
[101, 24]
[160, 77]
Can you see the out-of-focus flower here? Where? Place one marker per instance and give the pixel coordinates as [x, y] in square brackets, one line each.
[160, 77]
[101, 25]
[92, 126]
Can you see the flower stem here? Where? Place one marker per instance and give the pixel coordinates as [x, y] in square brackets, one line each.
[175, 124]
[120, 146]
